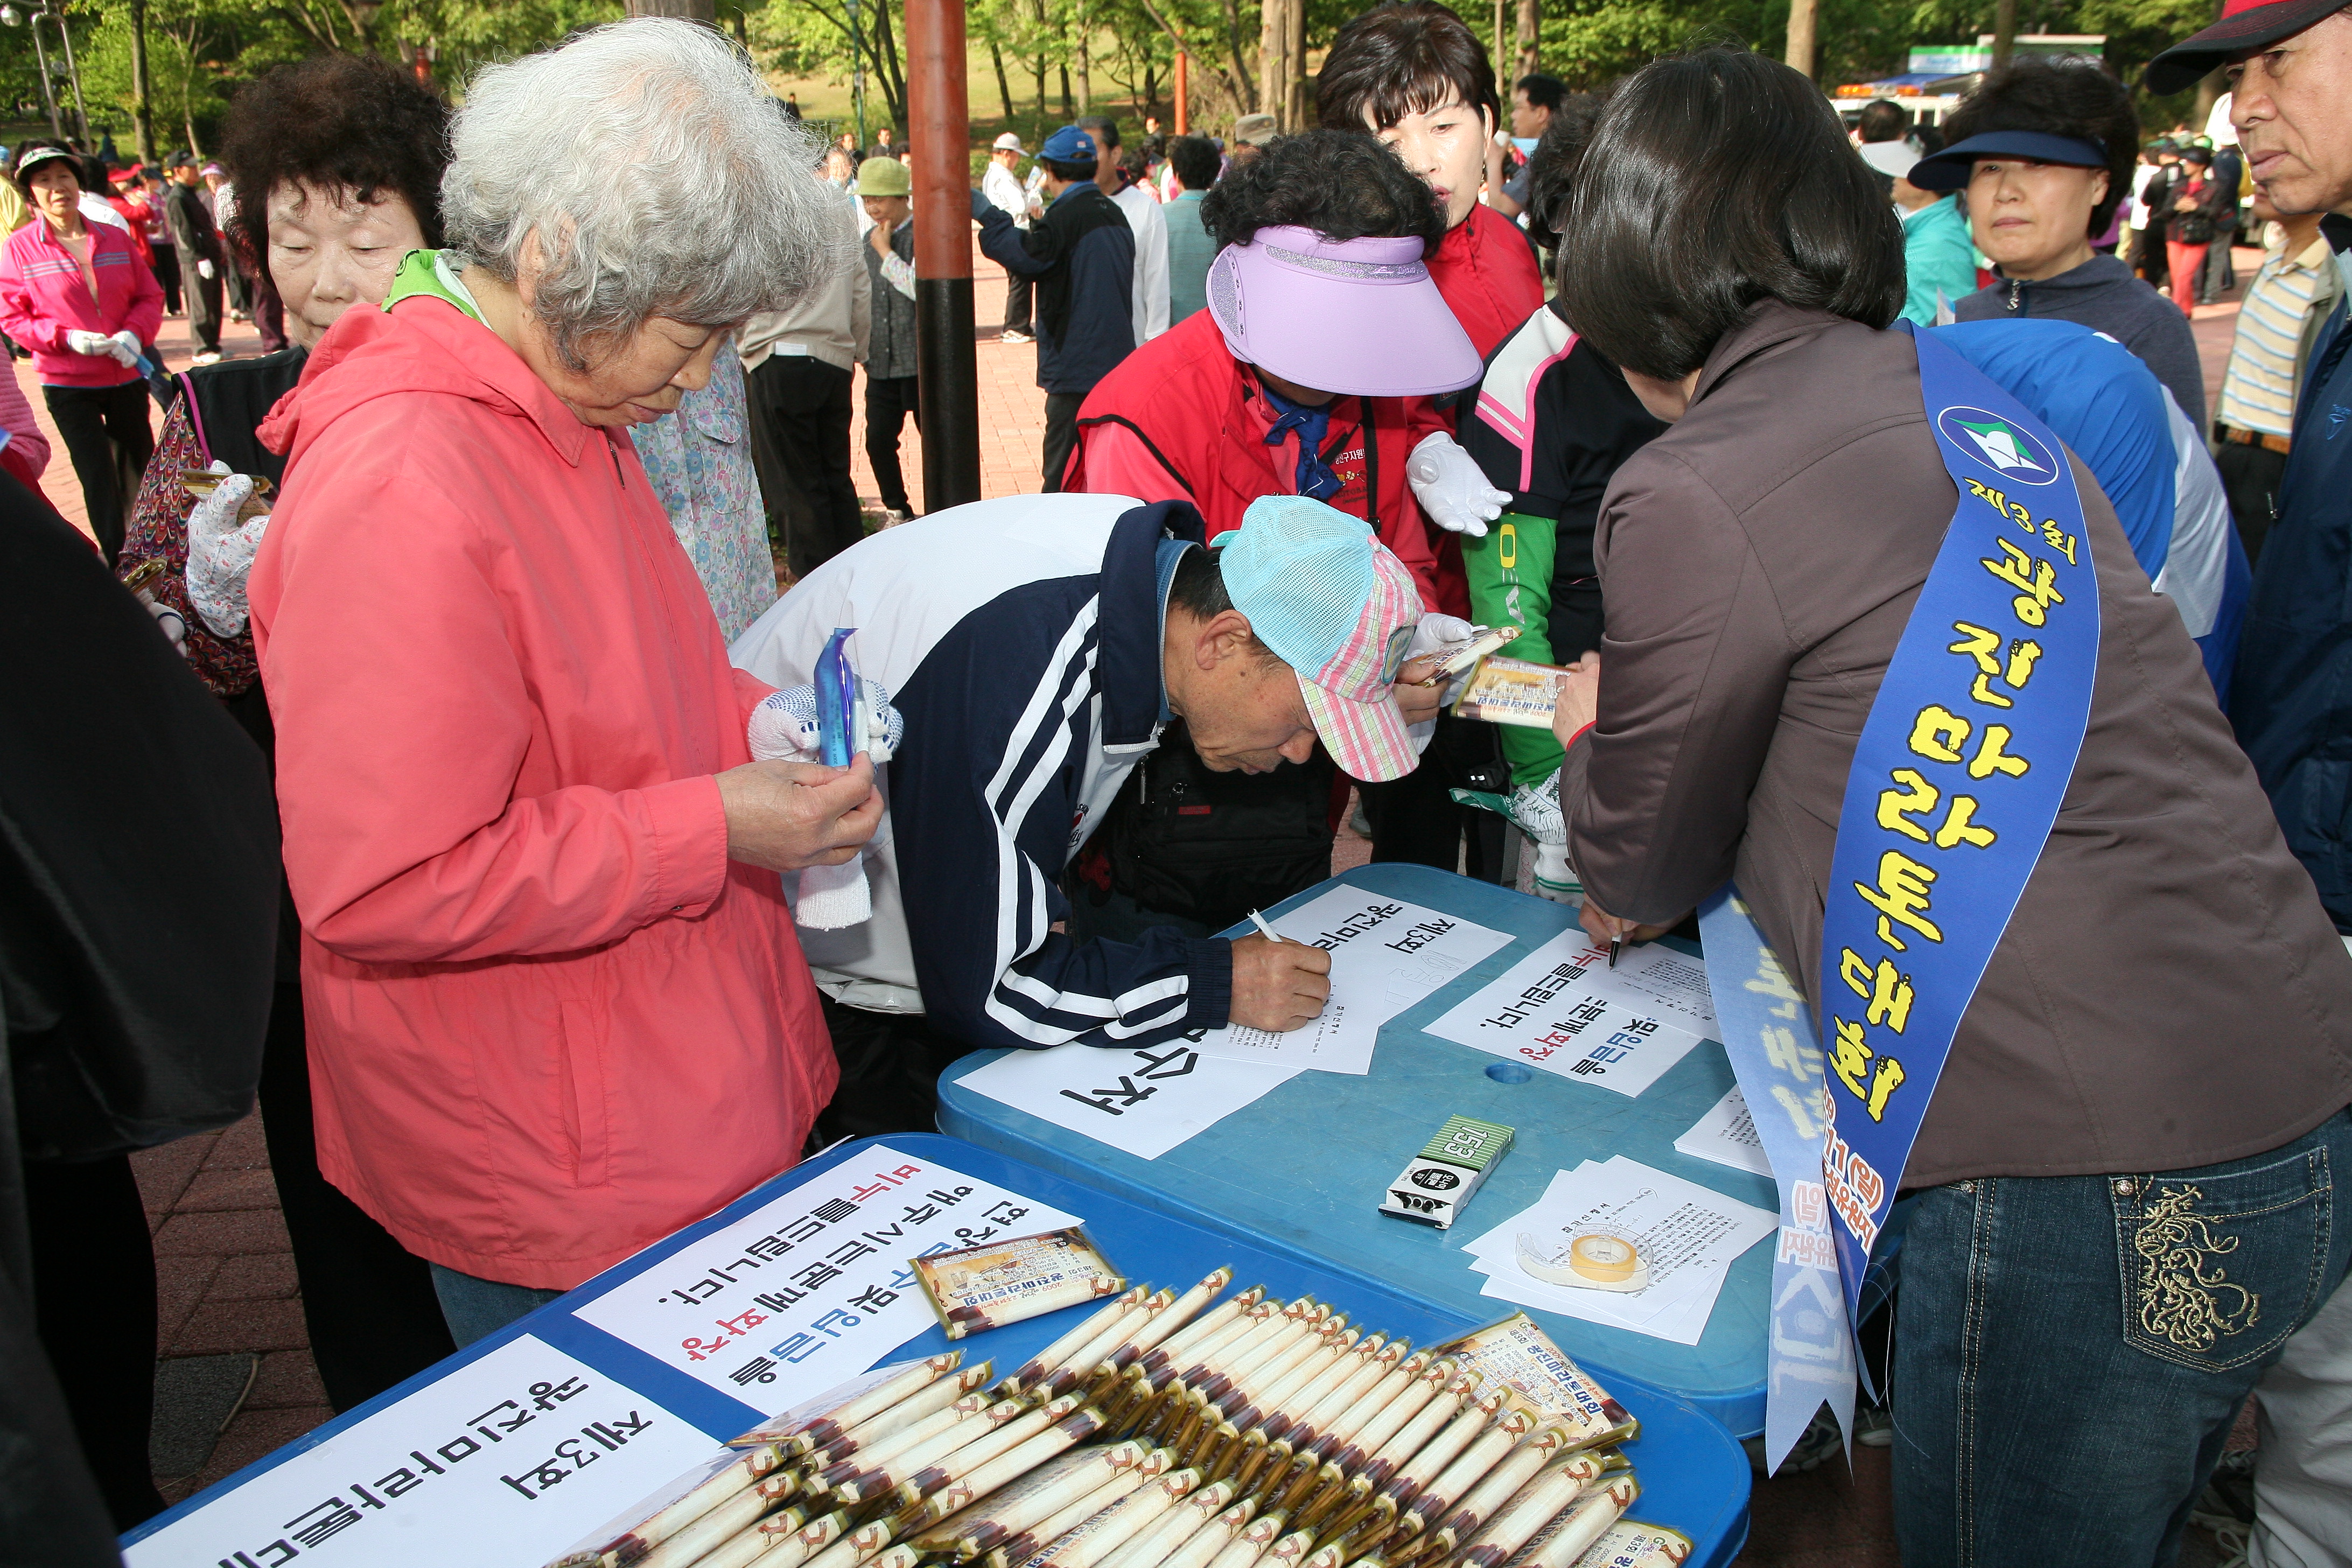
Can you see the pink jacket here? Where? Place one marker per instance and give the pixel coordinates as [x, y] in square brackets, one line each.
[42, 296]
[27, 451]
[550, 1021]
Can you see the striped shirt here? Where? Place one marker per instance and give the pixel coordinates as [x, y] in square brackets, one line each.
[2258, 390]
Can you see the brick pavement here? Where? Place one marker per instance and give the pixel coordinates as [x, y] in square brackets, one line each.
[223, 1272]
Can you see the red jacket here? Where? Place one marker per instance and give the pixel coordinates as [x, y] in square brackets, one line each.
[1181, 419]
[549, 1020]
[42, 296]
[1488, 275]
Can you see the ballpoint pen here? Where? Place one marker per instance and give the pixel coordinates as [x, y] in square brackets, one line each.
[1615, 945]
[1264, 930]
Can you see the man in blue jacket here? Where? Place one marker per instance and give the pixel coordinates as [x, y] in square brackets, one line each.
[1082, 254]
[1035, 648]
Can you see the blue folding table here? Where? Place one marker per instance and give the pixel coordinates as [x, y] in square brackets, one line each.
[1301, 1171]
[1694, 1478]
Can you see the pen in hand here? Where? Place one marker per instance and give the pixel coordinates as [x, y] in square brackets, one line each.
[1616, 945]
[1270, 934]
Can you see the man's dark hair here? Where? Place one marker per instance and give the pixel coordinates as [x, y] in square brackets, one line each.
[1715, 180]
[1197, 160]
[1068, 171]
[2058, 97]
[1340, 184]
[1103, 129]
[1406, 56]
[341, 122]
[1198, 589]
[1542, 91]
[1882, 120]
[1551, 167]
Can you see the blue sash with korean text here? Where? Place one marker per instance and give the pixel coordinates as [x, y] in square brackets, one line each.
[1958, 776]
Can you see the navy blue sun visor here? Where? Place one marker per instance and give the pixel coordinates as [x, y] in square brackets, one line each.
[1948, 170]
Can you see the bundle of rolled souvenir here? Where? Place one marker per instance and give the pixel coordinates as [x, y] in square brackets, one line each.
[1163, 1432]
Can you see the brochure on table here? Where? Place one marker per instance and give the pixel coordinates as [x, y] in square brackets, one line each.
[510, 1455]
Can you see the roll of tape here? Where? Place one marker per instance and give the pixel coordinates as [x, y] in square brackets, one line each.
[1592, 1260]
[1609, 1259]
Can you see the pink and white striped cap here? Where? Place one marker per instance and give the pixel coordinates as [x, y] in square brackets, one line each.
[1339, 609]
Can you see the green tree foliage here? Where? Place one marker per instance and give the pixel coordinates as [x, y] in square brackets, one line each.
[200, 52]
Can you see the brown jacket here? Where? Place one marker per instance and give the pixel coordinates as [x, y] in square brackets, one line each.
[2169, 992]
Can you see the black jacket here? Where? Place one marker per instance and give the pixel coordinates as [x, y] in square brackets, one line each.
[1082, 254]
[194, 234]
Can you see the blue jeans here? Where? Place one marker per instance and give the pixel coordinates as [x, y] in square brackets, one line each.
[475, 1307]
[2070, 1352]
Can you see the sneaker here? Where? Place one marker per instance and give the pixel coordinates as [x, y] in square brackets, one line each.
[210, 356]
[1015, 336]
[892, 517]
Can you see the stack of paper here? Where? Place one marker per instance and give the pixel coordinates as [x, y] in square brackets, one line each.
[1726, 1135]
[1563, 1009]
[1386, 955]
[1688, 1234]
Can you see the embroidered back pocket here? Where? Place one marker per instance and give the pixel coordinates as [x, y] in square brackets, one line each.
[2218, 1269]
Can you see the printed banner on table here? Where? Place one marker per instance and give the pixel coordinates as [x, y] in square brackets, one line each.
[794, 1297]
[1563, 1009]
[1142, 1102]
[1959, 773]
[488, 1464]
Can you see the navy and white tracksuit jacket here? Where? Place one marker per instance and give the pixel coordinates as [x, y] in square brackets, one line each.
[1021, 639]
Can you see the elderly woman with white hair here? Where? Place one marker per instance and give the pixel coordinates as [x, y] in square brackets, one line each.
[556, 1005]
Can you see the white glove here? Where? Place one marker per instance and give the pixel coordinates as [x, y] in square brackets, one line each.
[1452, 487]
[1433, 632]
[220, 555]
[203, 268]
[785, 729]
[91, 343]
[172, 624]
[127, 348]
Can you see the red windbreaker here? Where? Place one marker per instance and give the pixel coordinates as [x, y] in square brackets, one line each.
[1181, 419]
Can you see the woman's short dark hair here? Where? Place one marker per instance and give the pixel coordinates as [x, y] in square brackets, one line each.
[340, 122]
[2058, 97]
[1717, 179]
[1197, 160]
[1405, 56]
[1341, 184]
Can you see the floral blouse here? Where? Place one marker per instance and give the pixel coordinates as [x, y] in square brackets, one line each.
[699, 460]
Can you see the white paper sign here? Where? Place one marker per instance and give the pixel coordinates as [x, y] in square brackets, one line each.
[1563, 1009]
[1386, 955]
[791, 1298]
[1726, 1135]
[523, 1446]
[1143, 1102]
[1688, 1234]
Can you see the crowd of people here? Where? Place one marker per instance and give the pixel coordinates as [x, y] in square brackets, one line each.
[439, 760]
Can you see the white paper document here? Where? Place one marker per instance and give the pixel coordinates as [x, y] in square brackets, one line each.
[1142, 1102]
[1726, 1135]
[1386, 955]
[1563, 1009]
[797, 1295]
[488, 1465]
[1688, 1236]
